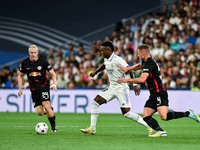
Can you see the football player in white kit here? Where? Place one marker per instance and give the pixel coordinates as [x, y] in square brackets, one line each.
[115, 90]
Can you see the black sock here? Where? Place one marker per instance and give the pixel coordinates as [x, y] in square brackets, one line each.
[52, 122]
[153, 123]
[176, 115]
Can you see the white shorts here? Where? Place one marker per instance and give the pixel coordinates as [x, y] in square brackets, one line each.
[121, 95]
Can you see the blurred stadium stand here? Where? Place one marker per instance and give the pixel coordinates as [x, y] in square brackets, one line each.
[25, 33]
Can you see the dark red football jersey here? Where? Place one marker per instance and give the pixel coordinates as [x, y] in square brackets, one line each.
[36, 72]
[154, 80]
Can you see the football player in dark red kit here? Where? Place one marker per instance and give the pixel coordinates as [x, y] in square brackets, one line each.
[36, 67]
[158, 99]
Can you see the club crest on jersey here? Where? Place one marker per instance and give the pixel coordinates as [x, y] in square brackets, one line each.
[109, 71]
[112, 65]
[39, 67]
[34, 74]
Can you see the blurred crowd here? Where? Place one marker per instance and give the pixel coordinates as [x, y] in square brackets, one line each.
[173, 36]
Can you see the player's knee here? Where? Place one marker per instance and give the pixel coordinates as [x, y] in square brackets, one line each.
[145, 115]
[125, 111]
[162, 117]
[40, 113]
[100, 100]
[47, 107]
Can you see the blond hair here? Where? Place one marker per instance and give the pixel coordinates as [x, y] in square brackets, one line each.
[32, 46]
[143, 46]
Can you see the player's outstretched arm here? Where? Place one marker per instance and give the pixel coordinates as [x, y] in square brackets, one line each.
[141, 79]
[20, 81]
[101, 68]
[53, 75]
[136, 67]
[126, 69]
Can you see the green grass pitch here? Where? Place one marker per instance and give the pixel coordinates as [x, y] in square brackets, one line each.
[114, 132]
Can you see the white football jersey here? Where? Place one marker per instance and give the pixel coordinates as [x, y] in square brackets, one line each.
[111, 66]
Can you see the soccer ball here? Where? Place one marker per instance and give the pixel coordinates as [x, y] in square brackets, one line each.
[41, 128]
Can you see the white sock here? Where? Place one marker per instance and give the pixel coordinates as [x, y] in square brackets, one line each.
[94, 114]
[137, 118]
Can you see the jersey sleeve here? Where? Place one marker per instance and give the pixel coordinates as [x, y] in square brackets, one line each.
[147, 67]
[22, 68]
[47, 65]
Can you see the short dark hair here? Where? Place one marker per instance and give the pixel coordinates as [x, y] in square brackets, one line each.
[108, 44]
